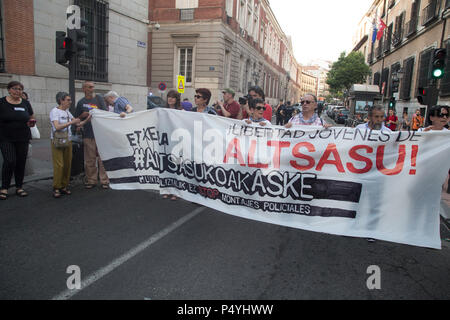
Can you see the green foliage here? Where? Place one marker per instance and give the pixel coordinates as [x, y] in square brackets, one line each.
[346, 71]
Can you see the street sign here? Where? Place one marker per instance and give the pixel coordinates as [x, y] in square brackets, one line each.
[162, 86]
[181, 84]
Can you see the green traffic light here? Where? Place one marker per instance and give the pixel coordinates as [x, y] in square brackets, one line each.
[437, 73]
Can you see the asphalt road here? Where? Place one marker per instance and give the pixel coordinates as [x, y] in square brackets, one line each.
[208, 255]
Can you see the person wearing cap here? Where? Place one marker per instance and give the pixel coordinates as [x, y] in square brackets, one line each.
[229, 108]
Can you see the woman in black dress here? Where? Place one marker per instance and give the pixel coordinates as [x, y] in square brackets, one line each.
[16, 118]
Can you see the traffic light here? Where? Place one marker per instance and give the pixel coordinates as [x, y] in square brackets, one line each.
[438, 63]
[422, 96]
[395, 84]
[63, 48]
[392, 103]
[77, 37]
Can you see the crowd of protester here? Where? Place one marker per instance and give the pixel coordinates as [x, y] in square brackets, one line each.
[17, 117]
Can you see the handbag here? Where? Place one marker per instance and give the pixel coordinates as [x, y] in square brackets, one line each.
[61, 138]
[35, 134]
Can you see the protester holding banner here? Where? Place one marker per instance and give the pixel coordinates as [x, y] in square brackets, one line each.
[121, 105]
[202, 98]
[308, 116]
[257, 107]
[438, 117]
[174, 100]
[376, 118]
[93, 165]
[61, 120]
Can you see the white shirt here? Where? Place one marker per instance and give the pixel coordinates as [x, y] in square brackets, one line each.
[268, 123]
[62, 117]
[365, 126]
[423, 130]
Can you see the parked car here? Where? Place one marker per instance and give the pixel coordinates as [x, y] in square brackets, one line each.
[155, 102]
[342, 116]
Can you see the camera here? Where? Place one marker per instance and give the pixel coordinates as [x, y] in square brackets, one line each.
[243, 100]
[157, 26]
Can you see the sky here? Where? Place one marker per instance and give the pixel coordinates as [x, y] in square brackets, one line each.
[320, 29]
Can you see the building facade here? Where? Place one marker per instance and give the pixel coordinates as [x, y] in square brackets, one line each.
[414, 30]
[116, 58]
[217, 44]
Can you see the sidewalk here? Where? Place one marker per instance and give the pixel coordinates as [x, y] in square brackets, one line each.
[40, 167]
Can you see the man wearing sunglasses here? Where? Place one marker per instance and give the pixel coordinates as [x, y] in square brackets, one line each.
[308, 116]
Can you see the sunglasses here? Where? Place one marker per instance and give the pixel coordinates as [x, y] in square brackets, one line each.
[306, 102]
[443, 115]
[199, 97]
[260, 108]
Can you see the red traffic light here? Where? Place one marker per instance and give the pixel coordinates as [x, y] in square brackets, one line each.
[422, 91]
[440, 54]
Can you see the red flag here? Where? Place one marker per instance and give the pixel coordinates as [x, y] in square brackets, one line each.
[381, 29]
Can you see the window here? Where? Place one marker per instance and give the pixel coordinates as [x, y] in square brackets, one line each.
[93, 65]
[424, 67]
[398, 33]
[405, 91]
[430, 12]
[229, 7]
[394, 68]
[411, 25]
[2, 48]
[185, 63]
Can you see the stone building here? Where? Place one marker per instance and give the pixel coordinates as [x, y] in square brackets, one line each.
[116, 58]
[221, 43]
[414, 29]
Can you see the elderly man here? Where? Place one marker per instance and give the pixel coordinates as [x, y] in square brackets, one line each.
[308, 116]
[376, 118]
[121, 105]
[93, 165]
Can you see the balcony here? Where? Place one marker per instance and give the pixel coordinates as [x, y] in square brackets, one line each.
[411, 27]
[430, 13]
[387, 44]
[379, 50]
[397, 38]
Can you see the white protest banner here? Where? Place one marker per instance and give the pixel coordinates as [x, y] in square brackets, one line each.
[340, 180]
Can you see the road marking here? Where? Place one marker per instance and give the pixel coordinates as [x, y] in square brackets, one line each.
[97, 275]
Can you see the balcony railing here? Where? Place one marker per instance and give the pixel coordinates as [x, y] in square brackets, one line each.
[379, 50]
[387, 43]
[411, 27]
[430, 12]
[397, 38]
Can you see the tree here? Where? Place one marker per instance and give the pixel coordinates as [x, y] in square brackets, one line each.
[346, 71]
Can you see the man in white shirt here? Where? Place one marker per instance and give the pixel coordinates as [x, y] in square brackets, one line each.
[376, 118]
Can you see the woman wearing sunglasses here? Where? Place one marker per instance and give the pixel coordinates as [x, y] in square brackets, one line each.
[438, 117]
[308, 116]
[202, 98]
[257, 108]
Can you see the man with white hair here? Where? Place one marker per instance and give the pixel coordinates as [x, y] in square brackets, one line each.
[121, 105]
